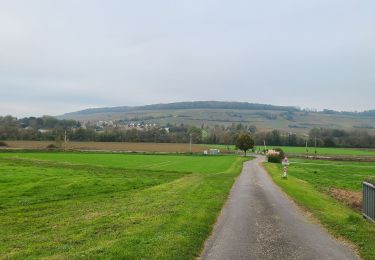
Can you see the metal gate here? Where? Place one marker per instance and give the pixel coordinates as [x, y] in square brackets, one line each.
[368, 208]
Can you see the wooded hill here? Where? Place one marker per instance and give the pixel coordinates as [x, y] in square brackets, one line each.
[265, 117]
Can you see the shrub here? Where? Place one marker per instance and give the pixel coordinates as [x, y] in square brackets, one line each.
[281, 153]
[3, 144]
[275, 156]
[51, 146]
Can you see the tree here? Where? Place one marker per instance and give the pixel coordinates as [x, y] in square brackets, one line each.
[228, 139]
[275, 137]
[196, 134]
[245, 142]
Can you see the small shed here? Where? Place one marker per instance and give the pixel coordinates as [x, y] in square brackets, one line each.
[214, 151]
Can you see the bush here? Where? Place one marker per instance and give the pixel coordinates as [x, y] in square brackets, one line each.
[275, 155]
[3, 144]
[281, 153]
[51, 146]
[274, 158]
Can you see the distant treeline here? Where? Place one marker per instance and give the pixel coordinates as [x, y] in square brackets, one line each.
[324, 138]
[370, 113]
[34, 128]
[52, 129]
[213, 105]
[188, 105]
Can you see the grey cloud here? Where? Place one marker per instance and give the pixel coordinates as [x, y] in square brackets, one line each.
[93, 53]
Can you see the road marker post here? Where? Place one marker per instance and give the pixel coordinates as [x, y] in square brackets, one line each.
[285, 164]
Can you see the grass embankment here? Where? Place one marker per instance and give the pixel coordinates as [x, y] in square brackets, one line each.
[309, 184]
[64, 205]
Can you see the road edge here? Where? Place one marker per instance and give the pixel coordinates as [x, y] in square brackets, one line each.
[311, 217]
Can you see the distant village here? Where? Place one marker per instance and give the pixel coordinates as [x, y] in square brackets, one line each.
[101, 125]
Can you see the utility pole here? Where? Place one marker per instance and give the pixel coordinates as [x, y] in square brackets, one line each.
[65, 140]
[265, 148]
[190, 143]
[315, 146]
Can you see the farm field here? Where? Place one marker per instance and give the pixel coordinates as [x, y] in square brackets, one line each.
[81, 205]
[180, 148]
[180, 163]
[328, 151]
[302, 150]
[331, 190]
[111, 146]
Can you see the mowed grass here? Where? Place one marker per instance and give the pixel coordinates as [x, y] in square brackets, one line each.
[332, 174]
[63, 205]
[181, 163]
[327, 151]
[308, 184]
[311, 150]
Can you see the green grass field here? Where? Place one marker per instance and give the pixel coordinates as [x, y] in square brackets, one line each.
[328, 151]
[201, 164]
[332, 174]
[311, 150]
[309, 184]
[78, 205]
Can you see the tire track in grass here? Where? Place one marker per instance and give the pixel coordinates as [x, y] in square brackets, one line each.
[158, 165]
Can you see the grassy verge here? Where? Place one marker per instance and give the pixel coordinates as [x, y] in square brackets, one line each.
[337, 218]
[54, 207]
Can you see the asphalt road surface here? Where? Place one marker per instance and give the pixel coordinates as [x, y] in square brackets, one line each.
[260, 222]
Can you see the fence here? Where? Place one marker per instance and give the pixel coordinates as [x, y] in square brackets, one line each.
[368, 201]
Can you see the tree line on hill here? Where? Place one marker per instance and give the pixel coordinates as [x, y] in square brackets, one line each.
[216, 105]
[188, 105]
[51, 129]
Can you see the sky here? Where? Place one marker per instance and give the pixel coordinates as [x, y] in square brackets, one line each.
[63, 56]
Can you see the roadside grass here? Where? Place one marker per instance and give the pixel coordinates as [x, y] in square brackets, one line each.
[307, 188]
[56, 209]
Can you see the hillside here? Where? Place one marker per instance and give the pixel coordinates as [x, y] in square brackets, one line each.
[287, 118]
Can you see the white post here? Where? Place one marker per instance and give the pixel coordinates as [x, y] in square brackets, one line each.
[285, 164]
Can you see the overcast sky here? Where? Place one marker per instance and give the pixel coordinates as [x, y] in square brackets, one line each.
[62, 56]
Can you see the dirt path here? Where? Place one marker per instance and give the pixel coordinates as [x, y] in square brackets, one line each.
[260, 222]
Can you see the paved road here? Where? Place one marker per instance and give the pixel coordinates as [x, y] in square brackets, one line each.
[260, 222]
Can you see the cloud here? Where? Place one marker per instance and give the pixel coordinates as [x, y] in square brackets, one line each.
[82, 53]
